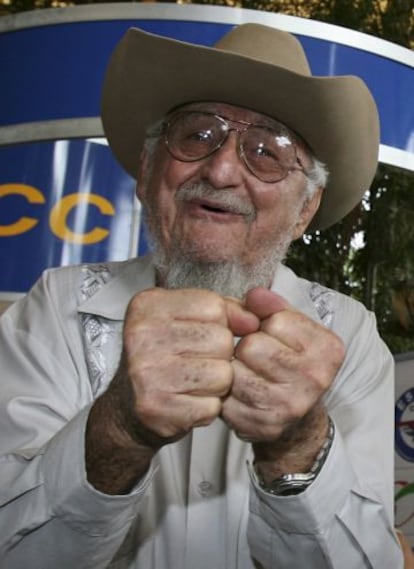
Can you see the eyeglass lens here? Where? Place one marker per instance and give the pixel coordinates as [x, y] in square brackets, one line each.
[269, 153]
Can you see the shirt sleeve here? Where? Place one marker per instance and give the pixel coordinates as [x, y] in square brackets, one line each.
[49, 515]
[344, 519]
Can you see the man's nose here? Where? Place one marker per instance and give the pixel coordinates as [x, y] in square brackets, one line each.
[224, 167]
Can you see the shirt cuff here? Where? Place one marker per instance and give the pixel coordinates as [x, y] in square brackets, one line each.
[72, 498]
[313, 508]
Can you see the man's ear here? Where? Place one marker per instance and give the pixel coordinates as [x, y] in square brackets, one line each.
[309, 208]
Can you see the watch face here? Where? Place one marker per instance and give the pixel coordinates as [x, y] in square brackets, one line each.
[290, 484]
[293, 491]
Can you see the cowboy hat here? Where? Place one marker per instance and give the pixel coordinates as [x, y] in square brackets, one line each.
[253, 66]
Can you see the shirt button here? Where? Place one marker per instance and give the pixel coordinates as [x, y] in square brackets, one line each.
[205, 488]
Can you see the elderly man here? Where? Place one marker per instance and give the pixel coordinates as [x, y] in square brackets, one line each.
[204, 407]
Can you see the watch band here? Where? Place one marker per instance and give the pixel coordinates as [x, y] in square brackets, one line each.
[291, 484]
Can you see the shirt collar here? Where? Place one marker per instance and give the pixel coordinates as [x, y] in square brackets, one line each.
[127, 279]
[295, 290]
[138, 274]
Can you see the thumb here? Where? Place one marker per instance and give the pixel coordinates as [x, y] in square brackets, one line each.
[263, 302]
[240, 320]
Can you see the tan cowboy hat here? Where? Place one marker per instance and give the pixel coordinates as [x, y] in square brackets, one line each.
[253, 66]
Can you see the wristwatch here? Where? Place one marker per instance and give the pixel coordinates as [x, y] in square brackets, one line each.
[291, 484]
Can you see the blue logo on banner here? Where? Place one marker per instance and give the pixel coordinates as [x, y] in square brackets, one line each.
[404, 425]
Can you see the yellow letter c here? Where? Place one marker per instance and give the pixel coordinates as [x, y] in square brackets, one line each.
[61, 210]
[24, 224]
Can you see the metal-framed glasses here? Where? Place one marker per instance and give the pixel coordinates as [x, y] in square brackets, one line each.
[268, 152]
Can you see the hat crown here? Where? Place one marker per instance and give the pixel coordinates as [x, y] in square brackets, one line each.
[267, 45]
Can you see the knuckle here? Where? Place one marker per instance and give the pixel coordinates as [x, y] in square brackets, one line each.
[227, 343]
[332, 356]
[147, 297]
[247, 346]
[275, 324]
[338, 350]
[211, 410]
[217, 378]
[217, 310]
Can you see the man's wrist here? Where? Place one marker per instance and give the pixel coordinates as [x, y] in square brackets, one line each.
[114, 462]
[295, 483]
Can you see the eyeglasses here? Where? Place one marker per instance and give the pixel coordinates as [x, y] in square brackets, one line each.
[269, 153]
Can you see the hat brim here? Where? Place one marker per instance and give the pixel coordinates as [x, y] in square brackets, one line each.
[148, 75]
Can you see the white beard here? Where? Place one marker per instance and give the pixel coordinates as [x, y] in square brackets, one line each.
[227, 278]
[178, 267]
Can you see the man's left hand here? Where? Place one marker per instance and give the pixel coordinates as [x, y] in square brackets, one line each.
[280, 375]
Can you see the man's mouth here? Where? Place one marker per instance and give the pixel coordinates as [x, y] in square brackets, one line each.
[213, 210]
[216, 207]
[223, 205]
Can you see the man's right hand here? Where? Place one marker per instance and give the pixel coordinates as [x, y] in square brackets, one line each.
[174, 372]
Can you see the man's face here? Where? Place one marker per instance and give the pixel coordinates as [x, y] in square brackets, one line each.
[214, 209]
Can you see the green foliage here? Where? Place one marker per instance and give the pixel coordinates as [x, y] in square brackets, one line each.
[390, 19]
[370, 255]
[385, 265]
[326, 256]
[17, 6]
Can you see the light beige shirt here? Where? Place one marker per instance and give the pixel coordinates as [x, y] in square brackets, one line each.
[197, 508]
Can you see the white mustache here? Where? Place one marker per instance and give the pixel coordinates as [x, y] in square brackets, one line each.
[221, 199]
